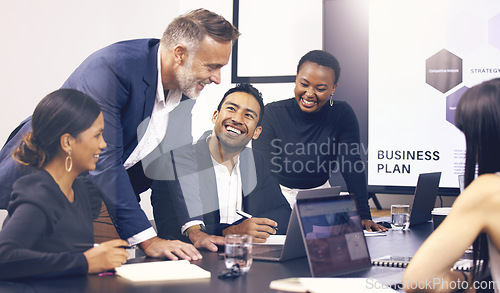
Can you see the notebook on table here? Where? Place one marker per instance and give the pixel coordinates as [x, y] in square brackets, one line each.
[293, 246]
[333, 238]
[424, 198]
[402, 262]
[162, 271]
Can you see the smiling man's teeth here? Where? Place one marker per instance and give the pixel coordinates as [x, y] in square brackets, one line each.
[232, 129]
[96, 156]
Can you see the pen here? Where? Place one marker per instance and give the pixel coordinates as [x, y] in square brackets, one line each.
[109, 273]
[90, 245]
[248, 216]
[243, 214]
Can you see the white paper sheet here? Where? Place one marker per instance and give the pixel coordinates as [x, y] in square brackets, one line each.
[325, 285]
[162, 271]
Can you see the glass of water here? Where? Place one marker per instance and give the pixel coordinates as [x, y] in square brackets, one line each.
[400, 216]
[238, 251]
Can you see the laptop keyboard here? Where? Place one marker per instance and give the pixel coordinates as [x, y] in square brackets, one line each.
[267, 251]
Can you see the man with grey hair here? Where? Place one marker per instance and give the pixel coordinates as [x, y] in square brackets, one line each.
[146, 89]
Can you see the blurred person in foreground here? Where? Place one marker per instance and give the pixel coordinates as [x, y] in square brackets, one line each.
[474, 217]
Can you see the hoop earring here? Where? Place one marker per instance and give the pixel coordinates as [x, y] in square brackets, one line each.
[331, 100]
[69, 161]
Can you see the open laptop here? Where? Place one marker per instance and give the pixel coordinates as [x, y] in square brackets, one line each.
[424, 198]
[293, 246]
[334, 240]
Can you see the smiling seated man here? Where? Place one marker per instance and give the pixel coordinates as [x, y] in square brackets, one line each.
[230, 177]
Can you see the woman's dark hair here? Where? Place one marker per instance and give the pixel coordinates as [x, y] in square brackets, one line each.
[249, 89]
[478, 117]
[62, 111]
[322, 58]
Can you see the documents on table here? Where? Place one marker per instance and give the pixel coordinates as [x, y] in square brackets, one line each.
[325, 285]
[280, 239]
[403, 261]
[274, 240]
[374, 233]
[162, 271]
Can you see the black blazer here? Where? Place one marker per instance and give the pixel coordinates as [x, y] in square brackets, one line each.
[262, 195]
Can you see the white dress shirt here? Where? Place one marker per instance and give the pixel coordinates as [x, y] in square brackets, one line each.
[229, 191]
[151, 138]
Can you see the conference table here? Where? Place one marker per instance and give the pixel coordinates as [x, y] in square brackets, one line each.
[401, 243]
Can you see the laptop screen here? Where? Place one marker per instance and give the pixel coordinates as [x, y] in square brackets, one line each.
[333, 235]
[424, 198]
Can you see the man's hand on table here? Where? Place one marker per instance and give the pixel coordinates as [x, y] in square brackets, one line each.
[258, 228]
[370, 226]
[201, 239]
[172, 249]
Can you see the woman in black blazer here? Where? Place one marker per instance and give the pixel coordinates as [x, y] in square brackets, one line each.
[50, 210]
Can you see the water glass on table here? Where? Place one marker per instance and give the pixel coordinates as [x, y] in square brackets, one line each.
[400, 216]
[238, 252]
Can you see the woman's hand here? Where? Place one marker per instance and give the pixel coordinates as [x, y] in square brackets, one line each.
[107, 256]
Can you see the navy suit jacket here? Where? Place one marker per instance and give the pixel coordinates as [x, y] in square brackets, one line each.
[123, 79]
[262, 195]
